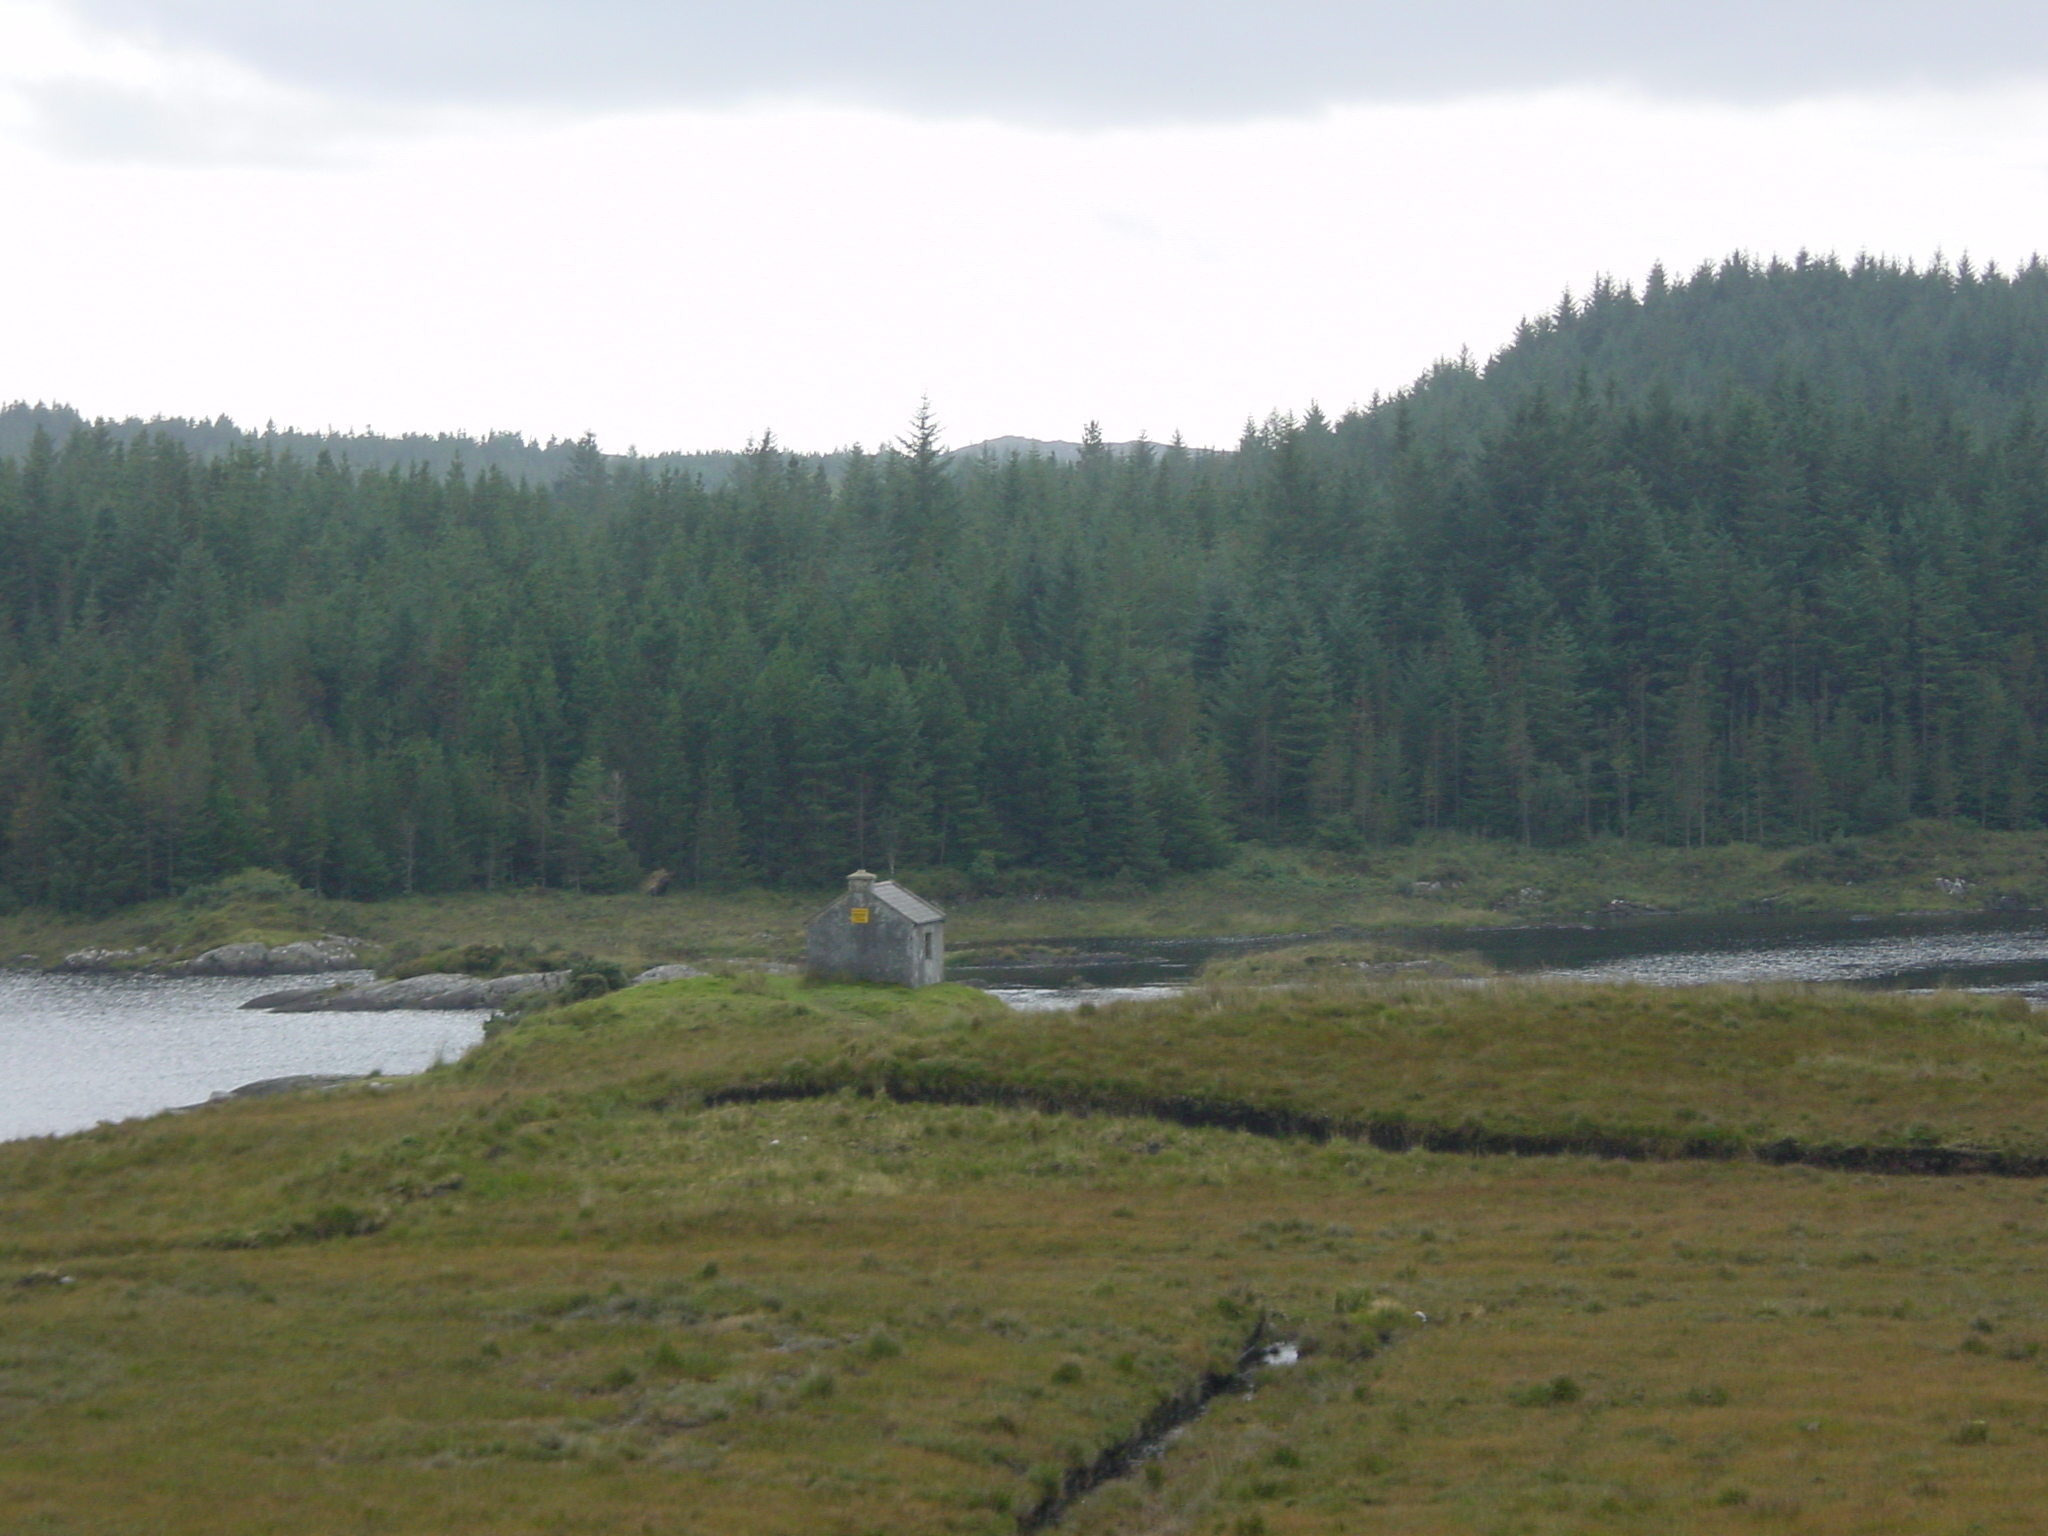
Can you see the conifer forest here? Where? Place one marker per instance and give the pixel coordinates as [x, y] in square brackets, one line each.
[1758, 553]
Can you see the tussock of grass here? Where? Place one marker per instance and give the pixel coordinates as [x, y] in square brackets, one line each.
[482, 960]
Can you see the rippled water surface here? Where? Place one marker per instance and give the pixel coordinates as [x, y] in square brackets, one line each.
[1993, 951]
[2004, 962]
[76, 1050]
[2005, 952]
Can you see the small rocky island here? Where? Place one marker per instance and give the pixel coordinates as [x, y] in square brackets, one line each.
[440, 989]
[301, 957]
[334, 954]
[437, 989]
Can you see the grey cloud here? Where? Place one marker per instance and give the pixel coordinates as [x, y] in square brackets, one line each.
[1105, 62]
[98, 121]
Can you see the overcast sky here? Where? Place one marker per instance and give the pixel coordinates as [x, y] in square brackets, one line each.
[679, 224]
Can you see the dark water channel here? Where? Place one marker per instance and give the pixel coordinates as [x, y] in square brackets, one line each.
[1990, 951]
[1059, 973]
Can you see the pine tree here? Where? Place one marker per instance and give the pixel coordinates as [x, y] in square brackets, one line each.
[594, 853]
[97, 861]
[716, 858]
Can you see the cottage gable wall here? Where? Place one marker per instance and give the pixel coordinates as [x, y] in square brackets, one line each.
[878, 931]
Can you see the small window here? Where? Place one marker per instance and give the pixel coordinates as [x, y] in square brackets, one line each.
[927, 944]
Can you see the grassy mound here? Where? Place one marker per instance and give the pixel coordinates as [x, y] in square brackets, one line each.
[1635, 1071]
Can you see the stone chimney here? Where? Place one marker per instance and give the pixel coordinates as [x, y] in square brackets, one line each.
[860, 882]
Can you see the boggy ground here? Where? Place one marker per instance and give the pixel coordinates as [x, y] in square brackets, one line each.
[553, 1289]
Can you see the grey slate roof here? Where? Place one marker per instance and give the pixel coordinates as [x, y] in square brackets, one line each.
[900, 901]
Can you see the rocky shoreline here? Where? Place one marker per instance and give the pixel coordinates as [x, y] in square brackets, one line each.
[334, 953]
[437, 989]
[301, 957]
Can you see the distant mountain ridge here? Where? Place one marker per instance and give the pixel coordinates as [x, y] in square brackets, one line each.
[514, 455]
[1056, 449]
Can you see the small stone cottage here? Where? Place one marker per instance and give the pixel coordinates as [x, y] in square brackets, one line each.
[878, 931]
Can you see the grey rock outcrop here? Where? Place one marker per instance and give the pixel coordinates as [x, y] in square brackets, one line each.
[655, 973]
[438, 990]
[301, 958]
[100, 960]
[272, 1087]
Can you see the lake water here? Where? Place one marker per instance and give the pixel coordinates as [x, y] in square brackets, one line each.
[1992, 951]
[76, 1050]
[1101, 970]
[1988, 951]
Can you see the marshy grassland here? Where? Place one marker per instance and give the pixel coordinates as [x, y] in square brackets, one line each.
[744, 1255]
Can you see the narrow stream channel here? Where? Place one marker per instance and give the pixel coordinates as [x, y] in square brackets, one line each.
[1161, 1427]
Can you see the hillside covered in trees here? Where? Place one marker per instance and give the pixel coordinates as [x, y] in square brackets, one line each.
[1755, 554]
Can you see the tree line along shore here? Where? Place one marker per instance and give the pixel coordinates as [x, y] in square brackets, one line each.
[1749, 556]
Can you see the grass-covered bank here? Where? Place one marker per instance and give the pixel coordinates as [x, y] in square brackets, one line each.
[552, 1288]
[1876, 1078]
[1435, 881]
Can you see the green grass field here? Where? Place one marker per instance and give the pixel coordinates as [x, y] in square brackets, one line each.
[561, 1286]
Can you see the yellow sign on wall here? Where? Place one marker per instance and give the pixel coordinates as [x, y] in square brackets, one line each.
[858, 914]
